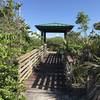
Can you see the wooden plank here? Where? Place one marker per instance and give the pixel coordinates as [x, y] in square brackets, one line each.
[27, 60]
[28, 55]
[25, 76]
[26, 71]
[24, 67]
[24, 57]
[33, 62]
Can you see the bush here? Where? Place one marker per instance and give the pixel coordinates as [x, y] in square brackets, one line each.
[55, 44]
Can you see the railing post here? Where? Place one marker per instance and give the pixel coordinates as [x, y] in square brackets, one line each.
[39, 55]
[42, 53]
[45, 49]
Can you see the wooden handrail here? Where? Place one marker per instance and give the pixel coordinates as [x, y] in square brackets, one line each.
[28, 61]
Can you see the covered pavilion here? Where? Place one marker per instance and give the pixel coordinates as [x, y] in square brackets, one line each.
[54, 28]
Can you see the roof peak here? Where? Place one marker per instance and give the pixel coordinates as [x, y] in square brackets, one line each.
[54, 24]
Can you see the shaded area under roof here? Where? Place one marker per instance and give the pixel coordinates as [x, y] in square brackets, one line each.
[54, 27]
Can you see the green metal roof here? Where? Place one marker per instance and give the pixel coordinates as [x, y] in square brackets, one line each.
[54, 24]
[54, 27]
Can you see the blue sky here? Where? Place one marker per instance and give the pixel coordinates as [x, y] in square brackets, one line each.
[60, 11]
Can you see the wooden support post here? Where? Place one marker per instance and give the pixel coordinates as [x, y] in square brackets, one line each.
[65, 34]
[45, 45]
[44, 37]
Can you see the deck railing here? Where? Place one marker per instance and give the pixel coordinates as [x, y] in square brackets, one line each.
[28, 61]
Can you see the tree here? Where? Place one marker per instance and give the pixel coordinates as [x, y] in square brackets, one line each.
[12, 39]
[82, 20]
[74, 43]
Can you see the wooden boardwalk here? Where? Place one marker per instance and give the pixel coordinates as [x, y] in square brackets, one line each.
[48, 75]
[48, 82]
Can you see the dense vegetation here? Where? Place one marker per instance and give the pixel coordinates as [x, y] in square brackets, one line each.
[14, 41]
[85, 51]
[55, 44]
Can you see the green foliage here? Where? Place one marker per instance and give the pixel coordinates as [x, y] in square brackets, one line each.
[27, 43]
[82, 50]
[95, 45]
[10, 87]
[14, 41]
[55, 43]
[74, 43]
[82, 20]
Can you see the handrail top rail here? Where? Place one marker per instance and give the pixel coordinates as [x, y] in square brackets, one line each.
[28, 53]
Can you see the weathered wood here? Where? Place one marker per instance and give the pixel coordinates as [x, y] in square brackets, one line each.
[28, 61]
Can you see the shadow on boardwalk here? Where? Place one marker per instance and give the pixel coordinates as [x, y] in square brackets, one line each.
[48, 81]
[50, 74]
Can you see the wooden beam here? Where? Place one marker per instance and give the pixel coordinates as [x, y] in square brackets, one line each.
[44, 37]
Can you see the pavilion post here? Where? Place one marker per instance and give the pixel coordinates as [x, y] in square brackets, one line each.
[42, 39]
[42, 36]
[45, 45]
[65, 35]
